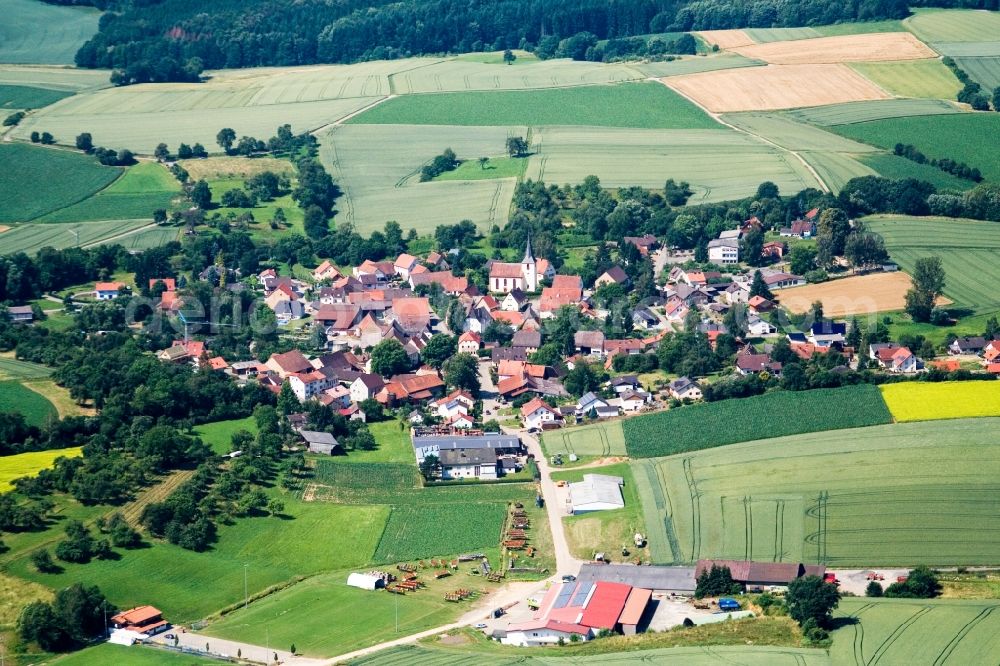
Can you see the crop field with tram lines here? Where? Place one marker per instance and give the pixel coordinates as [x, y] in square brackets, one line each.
[912, 78]
[841, 48]
[859, 112]
[44, 34]
[595, 439]
[902, 494]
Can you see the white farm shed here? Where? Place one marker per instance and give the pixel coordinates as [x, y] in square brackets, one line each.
[597, 492]
[365, 581]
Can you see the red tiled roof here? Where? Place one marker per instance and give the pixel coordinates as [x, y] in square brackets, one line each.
[535, 404]
[635, 606]
[292, 361]
[169, 283]
[605, 605]
[109, 286]
[501, 269]
[137, 615]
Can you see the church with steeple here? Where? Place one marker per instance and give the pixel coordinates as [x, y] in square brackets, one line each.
[525, 276]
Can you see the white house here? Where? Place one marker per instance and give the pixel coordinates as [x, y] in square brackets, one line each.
[633, 401]
[106, 291]
[589, 401]
[469, 343]
[468, 464]
[365, 387]
[536, 413]
[544, 632]
[683, 388]
[597, 492]
[306, 385]
[452, 405]
[903, 361]
[724, 251]
[404, 264]
[758, 327]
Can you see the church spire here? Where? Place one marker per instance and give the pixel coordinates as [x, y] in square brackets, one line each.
[528, 257]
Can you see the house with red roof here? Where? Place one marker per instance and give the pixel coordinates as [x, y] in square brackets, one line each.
[106, 291]
[169, 284]
[536, 413]
[142, 619]
[903, 361]
[404, 264]
[326, 271]
[469, 342]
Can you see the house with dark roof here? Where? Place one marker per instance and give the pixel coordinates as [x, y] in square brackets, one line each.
[614, 275]
[288, 363]
[749, 361]
[20, 314]
[589, 342]
[967, 345]
[321, 442]
[469, 464]
[435, 444]
[757, 576]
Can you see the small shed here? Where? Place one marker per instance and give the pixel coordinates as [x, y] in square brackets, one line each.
[365, 581]
[321, 442]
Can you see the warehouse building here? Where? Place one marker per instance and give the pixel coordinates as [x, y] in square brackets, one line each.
[663, 580]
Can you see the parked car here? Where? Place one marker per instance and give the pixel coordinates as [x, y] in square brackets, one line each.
[569, 578]
[480, 625]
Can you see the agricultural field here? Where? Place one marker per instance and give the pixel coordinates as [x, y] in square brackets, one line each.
[136, 655]
[969, 251]
[893, 166]
[715, 424]
[219, 434]
[859, 112]
[377, 167]
[858, 295]
[44, 34]
[23, 167]
[30, 238]
[726, 39]
[983, 70]
[925, 401]
[54, 78]
[776, 87]
[902, 494]
[433, 531]
[214, 168]
[910, 631]
[955, 25]
[767, 35]
[794, 135]
[843, 48]
[11, 368]
[638, 105]
[28, 97]
[30, 464]
[965, 137]
[912, 78]
[604, 438]
[363, 476]
[719, 164]
[862, 27]
[497, 167]
[35, 408]
[836, 169]
[695, 64]
[141, 190]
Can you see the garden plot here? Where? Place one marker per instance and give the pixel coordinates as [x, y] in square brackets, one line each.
[719, 164]
[457, 75]
[844, 48]
[902, 494]
[775, 87]
[377, 166]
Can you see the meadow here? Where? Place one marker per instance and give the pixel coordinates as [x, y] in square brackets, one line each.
[714, 424]
[837, 168]
[30, 464]
[24, 167]
[28, 97]
[497, 167]
[219, 434]
[983, 70]
[415, 532]
[393, 442]
[262, 213]
[638, 105]
[377, 168]
[969, 251]
[912, 78]
[106, 653]
[30, 238]
[859, 112]
[924, 401]
[720, 164]
[956, 25]
[142, 189]
[911, 631]
[604, 438]
[902, 494]
[893, 166]
[11, 368]
[955, 136]
[45, 34]
[35, 408]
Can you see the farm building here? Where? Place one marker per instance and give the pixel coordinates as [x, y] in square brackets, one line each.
[761, 575]
[666, 580]
[321, 442]
[499, 444]
[469, 464]
[582, 609]
[597, 492]
[146, 620]
[365, 581]
[20, 313]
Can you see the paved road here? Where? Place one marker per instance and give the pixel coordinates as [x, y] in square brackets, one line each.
[224, 648]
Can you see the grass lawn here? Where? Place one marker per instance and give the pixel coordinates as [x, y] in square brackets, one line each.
[606, 531]
[58, 396]
[36, 408]
[966, 326]
[394, 445]
[601, 438]
[496, 57]
[642, 105]
[415, 532]
[497, 167]
[263, 212]
[137, 655]
[29, 97]
[218, 435]
[925, 401]
[11, 368]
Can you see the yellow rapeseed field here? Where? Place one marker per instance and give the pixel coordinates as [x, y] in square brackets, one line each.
[923, 401]
[29, 464]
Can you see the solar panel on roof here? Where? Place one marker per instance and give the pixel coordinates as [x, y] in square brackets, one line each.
[581, 594]
[565, 594]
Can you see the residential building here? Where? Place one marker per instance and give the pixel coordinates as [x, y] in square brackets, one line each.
[468, 464]
[724, 251]
[536, 414]
[757, 327]
[326, 271]
[614, 275]
[141, 619]
[306, 385]
[106, 291]
[530, 341]
[404, 264]
[904, 361]
[589, 342]
[799, 229]
[469, 343]
[20, 314]
[288, 363]
[645, 244]
[590, 401]
[434, 444]
[776, 281]
[683, 388]
[459, 402]
[967, 345]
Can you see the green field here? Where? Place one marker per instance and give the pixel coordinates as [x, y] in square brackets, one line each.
[54, 78]
[714, 424]
[141, 190]
[985, 71]
[30, 238]
[861, 28]
[14, 397]
[640, 105]
[719, 164]
[28, 97]
[765, 35]
[415, 532]
[794, 135]
[969, 251]
[696, 64]
[859, 112]
[31, 463]
[263, 212]
[38, 33]
[893, 495]
[378, 166]
[837, 168]
[968, 137]
[11, 368]
[24, 167]
[603, 438]
[394, 444]
[497, 167]
[917, 631]
[106, 653]
[912, 78]
[219, 435]
[956, 25]
[893, 166]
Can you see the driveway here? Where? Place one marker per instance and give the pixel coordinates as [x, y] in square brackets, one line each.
[223, 648]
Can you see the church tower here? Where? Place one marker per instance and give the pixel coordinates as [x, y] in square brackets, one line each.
[529, 269]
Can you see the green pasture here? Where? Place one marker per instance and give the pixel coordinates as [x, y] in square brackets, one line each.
[262, 213]
[464, 74]
[415, 532]
[393, 445]
[859, 112]
[148, 238]
[45, 34]
[713, 424]
[893, 166]
[969, 251]
[719, 164]
[696, 64]
[912, 78]
[497, 167]
[837, 168]
[35, 408]
[901, 494]
[954, 25]
[914, 631]
[792, 134]
[136, 655]
[28, 97]
[24, 167]
[859, 28]
[967, 137]
[219, 434]
[641, 105]
[603, 438]
[11, 368]
[377, 167]
[30, 238]
[141, 190]
[985, 71]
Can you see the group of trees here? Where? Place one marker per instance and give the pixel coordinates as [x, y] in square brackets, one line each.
[928, 284]
[106, 156]
[959, 169]
[874, 194]
[972, 93]
[70, 621]
[446, 161]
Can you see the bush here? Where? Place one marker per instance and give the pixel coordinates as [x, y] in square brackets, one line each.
[874, 589]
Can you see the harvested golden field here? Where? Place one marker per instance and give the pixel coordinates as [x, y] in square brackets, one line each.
[775, 87]
[847, 48]
[863, 294]
[726, 39]
[235, 167]
[4, 228]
